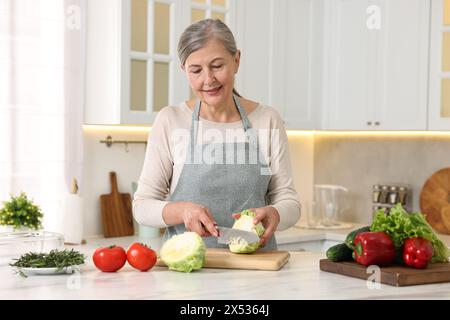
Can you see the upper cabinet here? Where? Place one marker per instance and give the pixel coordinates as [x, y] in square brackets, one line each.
[323, 64]
[278, 64]
[337, 64]
[152, 78]
[439, 97]
[133, 70]
[103, 62]
[375, 64]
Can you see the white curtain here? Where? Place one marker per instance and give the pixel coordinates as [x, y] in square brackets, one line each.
[42, 66]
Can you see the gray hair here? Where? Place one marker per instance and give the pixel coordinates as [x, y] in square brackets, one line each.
[197, 35]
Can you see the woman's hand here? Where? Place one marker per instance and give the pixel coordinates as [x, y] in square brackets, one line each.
[196, 218]
[269, 217]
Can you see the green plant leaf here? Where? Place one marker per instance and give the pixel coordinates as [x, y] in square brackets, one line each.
[19, 211]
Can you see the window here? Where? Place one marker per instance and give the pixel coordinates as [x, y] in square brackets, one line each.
[151, 75]
[203, 9]
[151, 54]
[216, 9]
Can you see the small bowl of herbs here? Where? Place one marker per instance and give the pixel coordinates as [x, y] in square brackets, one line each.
[54, 262]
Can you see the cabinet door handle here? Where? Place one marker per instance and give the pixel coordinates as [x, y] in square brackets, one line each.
[369, 123]
[377, 123]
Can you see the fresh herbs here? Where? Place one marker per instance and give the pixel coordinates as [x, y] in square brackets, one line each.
[54, 259]
[401, 225]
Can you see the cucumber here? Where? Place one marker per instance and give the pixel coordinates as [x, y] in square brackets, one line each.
[339, 252]
[349, 240]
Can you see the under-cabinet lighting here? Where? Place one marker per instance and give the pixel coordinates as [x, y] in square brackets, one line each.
[116, 128]
[382, 133]
[145, 129]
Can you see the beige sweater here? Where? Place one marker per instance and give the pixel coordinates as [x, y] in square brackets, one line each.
[166, 152]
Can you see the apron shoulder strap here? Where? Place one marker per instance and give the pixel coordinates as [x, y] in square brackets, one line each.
[245, 121]
[194, 123]
[196, 118]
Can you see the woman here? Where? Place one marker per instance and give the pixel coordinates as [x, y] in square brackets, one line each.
[197, 180]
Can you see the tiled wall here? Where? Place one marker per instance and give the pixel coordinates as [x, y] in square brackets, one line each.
[360, 161]
[354, 161]
[99, 160]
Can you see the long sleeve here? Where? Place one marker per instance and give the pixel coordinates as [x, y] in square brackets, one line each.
[281, 193]
[164, 161]
[154, 182]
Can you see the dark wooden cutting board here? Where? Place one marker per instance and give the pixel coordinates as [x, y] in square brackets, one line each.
[393, 275]
[116, 210]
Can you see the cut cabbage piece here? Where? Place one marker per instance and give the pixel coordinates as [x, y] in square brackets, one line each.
[245, 222]
[184, 252]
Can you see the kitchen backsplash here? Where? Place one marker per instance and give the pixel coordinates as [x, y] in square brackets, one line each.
[100, 160]
[360, 161]
[356, 162]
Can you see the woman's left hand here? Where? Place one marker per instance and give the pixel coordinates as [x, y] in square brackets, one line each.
[269, 217]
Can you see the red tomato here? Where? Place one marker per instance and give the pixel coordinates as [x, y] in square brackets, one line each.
[141, 257]
[110, 259]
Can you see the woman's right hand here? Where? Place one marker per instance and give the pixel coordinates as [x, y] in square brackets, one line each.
[196, 218]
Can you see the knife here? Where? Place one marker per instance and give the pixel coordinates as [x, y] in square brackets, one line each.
[227, 234]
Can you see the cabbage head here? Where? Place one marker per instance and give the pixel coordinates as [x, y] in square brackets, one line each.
[184, 252]
[245, 222]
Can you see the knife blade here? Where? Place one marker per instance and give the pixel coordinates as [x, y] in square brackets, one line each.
[227, 234]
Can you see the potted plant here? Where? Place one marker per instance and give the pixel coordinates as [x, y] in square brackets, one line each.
[20, 213]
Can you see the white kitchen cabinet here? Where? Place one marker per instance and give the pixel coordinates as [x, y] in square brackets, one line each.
[439, 76]
[323, 64]
[376, 64]
[103, 62]
[133, 68]
[278, 62]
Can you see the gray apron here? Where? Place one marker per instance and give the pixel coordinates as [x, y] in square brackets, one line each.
[226, 187]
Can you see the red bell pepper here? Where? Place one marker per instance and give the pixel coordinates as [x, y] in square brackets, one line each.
[417, 252]
[374, 248]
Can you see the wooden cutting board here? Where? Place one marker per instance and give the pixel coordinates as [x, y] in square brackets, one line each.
[393, 275]
[116, 210]
[435, 200]
[225, 259]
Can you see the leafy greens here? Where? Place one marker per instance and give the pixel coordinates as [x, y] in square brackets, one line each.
[401, 225]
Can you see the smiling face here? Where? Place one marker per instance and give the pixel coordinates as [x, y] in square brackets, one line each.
[210, 72]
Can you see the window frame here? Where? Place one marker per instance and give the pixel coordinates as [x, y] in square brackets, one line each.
[178, 88]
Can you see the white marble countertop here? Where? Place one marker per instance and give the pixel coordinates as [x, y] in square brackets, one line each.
[298, 234]
[300, 278]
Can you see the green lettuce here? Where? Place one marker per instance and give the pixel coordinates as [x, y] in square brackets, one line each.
[401, 225]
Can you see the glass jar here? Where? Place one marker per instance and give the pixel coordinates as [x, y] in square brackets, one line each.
[15, 244]
[393, 195]
[402, 194]
[384, 194]
[376, 193]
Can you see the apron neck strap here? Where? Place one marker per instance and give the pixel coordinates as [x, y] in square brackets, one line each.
[196, 118]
